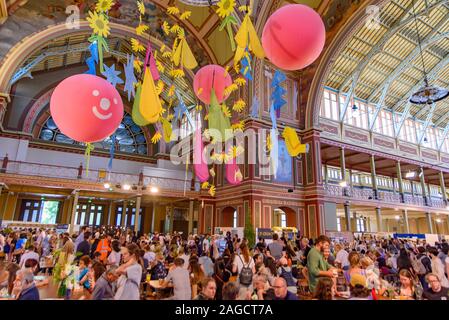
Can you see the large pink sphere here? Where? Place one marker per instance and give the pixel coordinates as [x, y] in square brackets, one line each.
[293, 37]
[211, 77]
[86, 108]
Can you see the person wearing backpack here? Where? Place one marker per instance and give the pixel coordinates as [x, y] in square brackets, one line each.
[424, 266]
[245, 267]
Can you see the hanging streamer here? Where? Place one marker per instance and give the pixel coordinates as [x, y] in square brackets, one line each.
[292, 142]
[277, 96]
[149, 60]
[199, 164]
[112, 152]
[89, 149]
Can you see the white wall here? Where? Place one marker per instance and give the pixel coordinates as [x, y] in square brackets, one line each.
[15, 148]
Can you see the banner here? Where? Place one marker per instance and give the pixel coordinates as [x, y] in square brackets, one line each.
[340, 236]
[61, 228]
[264, 233]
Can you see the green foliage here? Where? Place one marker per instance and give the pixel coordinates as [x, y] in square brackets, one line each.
[249, 232]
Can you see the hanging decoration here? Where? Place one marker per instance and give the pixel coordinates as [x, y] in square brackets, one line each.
[293, 37]
[199, 162]
[92, 61]
[150, 106]
[211, 77]
[224, 11]
[278, 92]
[135, 114]
[292, 142]
[87, 113]
[255, 108]
[112, 75]
[246, 69]
[182, 109]
[112, 151]
[274, 150]
[99, 23]
[150, 60]
[219, 123]
[131, 80]
[233, 174]
[167, 129]
[247, 37]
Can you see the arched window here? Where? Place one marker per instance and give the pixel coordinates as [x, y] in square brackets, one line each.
[130, 137]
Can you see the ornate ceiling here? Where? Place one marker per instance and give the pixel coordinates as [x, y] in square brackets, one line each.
[381, 62]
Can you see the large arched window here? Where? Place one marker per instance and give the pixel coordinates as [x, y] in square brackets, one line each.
[130, 137]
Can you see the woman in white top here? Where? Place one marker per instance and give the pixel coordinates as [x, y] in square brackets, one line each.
[131, 274]
[241, 260]
[438, 268]
[115, 255]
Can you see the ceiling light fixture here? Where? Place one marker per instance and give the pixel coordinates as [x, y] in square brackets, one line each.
[428, 94]
[107, 185]
[410, 174]
[397, 217]
[126, 187]
[154, 190]
[438, 220]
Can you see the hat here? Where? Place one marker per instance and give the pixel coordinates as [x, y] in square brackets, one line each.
[358, 279]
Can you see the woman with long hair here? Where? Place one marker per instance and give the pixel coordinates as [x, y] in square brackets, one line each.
[355, 266]
[221, 276]
[404, 261]
[130, 274]
[407, 290]
[196, 274]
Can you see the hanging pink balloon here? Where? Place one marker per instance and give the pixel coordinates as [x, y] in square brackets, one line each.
[233, 174]
[293, 37]
[208, 78]
[86, 108]
[199, 164]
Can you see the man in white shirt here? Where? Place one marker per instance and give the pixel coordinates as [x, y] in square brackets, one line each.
[29, 254]
[342, 256]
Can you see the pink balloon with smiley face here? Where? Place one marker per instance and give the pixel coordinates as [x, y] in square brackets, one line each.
[86, 108]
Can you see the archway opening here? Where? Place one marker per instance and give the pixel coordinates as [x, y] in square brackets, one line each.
[229, 217]
[284, 217]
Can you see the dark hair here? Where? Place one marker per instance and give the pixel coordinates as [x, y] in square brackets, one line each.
[359, 291]
[97, 254]
[271, 265]
[421, 249]
[99, 269]
[433, 250]
[179, 262]
[31, 263]
[86, 259]
[323, 289]
[87, 235]
[115, 245]
[322, 238]
[134, 249]
[230, 291]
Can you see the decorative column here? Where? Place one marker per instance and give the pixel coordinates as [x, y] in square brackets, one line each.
[400, 185]
[351, 184]
[313, 185]
[443, 188]
[73, 213]
[373, 177]
[423, 186]
[124, 215]
[342, 164]
[191, 212]
[429, 222]
[354, 222]
[326, 174]
[137, 220]
[379, 220]
[348, 216]
[406, 224]
[109, 212]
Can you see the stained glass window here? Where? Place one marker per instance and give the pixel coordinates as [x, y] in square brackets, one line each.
[130, 137]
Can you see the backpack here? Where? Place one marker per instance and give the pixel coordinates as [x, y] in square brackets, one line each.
[246, 275]
[415, 264]
[422, 270]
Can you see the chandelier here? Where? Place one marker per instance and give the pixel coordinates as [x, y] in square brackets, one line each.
[200, 3]
[428, 94]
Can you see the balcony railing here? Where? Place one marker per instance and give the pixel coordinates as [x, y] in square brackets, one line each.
[368, 194]
[94, 175]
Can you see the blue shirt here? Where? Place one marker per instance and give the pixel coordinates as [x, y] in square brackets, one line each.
[32, 293]
[289, 296]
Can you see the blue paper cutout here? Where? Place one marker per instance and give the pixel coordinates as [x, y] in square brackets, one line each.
[93, 59]
[246, 66]
[112, 151]
[182, 108]
[273, 116]
[255, 108]
[112, 75]
[278, 92]
[130, 77]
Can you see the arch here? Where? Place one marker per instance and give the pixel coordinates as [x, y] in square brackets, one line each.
[324, 65]
[285, 217]
[24, 49]
[227, 217]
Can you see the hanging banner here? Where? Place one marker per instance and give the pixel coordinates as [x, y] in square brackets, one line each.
[264, 233]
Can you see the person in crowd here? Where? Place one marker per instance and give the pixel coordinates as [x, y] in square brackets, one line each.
[407, 289]
[185, 256]
[130, 274]
[437, 267]
[4, 276]
[24, 286]
[80, 237]
[115, 256]
[196, 274]
[30, 253]
[404, 261]
[435, 290]
[84, 248]
[325, 289]
[83, 276]
[355, 266]
[230, 291]
[341, 258]
[276, 247]
[358, 288]
[285, 272]
[181, 281]
[221, 276]
[104, 288]
[316, 265]
[208, 289]
[158, 270]
[244, 266]
[206, 262]
[328, 256]
[261, 245]
[280, 290]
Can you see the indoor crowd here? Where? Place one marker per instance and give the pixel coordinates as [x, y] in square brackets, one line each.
[109, 263]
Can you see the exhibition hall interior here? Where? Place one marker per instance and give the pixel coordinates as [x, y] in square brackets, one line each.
[193, 128]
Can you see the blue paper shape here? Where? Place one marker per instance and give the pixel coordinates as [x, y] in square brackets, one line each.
[182, 108]
[255, 108]
[112, 151]
[246, 63]
[130, 78]
[273, 116]
[278, 92]
[112, 75]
